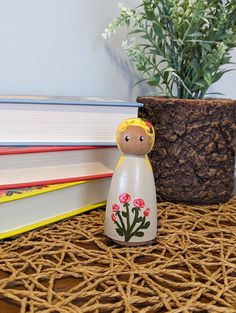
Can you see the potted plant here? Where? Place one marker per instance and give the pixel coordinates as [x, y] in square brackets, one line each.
[180, 47]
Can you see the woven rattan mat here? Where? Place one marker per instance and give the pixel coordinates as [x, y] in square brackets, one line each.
[70, 267]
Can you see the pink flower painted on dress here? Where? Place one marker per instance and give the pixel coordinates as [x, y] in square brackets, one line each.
[113, 217]
[130, 222]
[146, 212]
[124, 198]
[139, 203]
[115, 208]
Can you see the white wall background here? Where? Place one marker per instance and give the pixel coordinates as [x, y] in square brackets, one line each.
[54, 47]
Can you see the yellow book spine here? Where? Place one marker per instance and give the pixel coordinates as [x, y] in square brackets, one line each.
[21, 193]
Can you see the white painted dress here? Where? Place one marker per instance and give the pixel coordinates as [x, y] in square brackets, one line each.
[131, 211]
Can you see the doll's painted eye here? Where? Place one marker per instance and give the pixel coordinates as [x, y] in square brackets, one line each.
[141, 138]
[126, 138]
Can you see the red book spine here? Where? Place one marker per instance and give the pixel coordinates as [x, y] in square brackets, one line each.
[39, 149]
[54, 181]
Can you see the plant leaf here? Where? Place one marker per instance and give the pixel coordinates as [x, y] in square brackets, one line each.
[139, 220]
[139, 234]
[124, 214]
[120, 231]
[146, 225]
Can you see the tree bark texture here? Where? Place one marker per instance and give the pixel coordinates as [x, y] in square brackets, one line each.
[193, 157]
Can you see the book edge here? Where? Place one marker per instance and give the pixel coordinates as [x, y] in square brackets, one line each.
[35, 192]
[50, 220]
[57, 100]
[9, 150]
[57, 143]
[86, 178]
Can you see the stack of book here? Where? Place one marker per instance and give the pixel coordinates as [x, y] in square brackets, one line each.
[57, 156]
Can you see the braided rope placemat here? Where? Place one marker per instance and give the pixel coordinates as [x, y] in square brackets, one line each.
[71, 267]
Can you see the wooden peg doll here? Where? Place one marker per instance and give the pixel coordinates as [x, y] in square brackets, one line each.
[131, 210]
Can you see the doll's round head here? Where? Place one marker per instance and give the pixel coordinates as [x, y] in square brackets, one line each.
[135, 136]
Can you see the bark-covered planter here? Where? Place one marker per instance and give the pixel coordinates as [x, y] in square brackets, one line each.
[193, 158]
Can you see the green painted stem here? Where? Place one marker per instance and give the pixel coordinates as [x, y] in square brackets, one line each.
[134, 222]
[137, 229]
[121, 221]
[126, 205]
[118, 225]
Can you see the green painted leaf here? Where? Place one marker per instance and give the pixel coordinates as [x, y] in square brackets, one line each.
[139, 220]
[135, 209]
[120, 232]
[124, 214]
[139, 234]
[146, 225]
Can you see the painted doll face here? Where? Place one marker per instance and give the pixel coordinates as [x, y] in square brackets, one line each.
[134, 140]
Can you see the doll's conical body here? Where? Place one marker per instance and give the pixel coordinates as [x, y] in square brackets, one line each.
[131, 212]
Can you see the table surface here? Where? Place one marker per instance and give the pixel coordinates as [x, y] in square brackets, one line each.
[70, 266]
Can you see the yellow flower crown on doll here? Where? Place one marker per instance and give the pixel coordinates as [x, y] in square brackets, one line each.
[147, 126]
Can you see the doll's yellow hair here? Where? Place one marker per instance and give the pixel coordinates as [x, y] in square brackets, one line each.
[147, 126]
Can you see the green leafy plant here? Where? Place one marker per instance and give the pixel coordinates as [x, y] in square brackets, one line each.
[179, 45]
